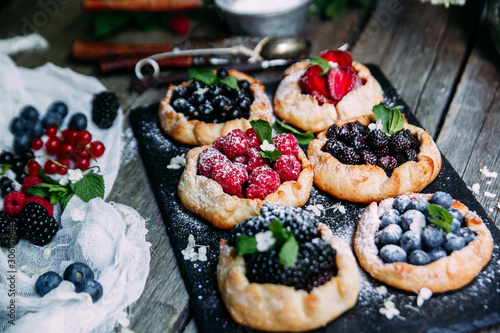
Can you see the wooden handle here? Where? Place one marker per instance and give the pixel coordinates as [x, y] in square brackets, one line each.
[90, 50]
[142, 5]
[115, 63]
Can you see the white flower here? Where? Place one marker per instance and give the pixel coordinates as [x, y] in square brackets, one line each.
[191, 242]
[264, 240]
[316, 209]
[202, 253]
[190, 253]
[423, 296]
[74, 175]
[78, 215]
[333, 64]
[177, 162]
[484, 170]
[389, 309]
[382, 290]
[266, 146]
[377, 125]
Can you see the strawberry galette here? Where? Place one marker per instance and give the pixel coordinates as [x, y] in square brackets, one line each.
[318, 92]
[212, 104]
[230, 180]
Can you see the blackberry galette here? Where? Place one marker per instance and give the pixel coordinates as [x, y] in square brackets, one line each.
[284, 271]
[420, 241]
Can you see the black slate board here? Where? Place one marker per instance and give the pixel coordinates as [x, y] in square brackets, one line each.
[474, 306]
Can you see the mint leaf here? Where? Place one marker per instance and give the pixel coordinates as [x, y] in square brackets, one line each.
[147, 21]
[45, 178]
[288, 253]
[89, 187]
[335, 8]
[204, 75]
[107, 22]
[392, 120]
[41, 192]
[270, 155]
[54, 198]
[323, 63]
[278, 233]
[245, 245]
[304, 138]
[65, 199]
[263, 130]
[230, 81]
[443, 220]
[4, 168]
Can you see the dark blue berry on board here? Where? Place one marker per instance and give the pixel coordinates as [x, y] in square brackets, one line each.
[47, 282]
[78, 271]
[91, 287]
[78, 121]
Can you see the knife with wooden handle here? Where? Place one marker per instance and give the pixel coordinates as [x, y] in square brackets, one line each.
[91, 50]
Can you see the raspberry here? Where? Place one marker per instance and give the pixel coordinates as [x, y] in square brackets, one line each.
[179, 23]
[255, 160]
[42, 202]
[30, 181]
[207, 159]
[253, 139]
[219, 143]
[242, 159]
[288, 167]
[333, 131]
[14, 202]
[388, 163]
[235, 143]
[104, 109]
[231, 177]
[286, 144]
[9, 233]
[36, 225]
[262, 182]
[377, 139]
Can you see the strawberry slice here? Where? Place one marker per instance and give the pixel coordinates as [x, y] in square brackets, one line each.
[342, 58]
[342, 80]
[312, 83]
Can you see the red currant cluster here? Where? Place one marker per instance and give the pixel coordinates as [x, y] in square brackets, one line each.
[73, 150]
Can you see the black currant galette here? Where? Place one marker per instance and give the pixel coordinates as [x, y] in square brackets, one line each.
[420, 241]
[211, 105]
[284, 271]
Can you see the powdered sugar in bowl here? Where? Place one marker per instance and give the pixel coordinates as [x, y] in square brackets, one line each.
[264, 17]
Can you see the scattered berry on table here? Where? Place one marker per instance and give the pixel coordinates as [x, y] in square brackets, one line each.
[58, 107]
[47, 282]
[6, 186]
[105, 107]
[97, 149]
[91, 287]
[22, 142]
[52, 119]
[78, 271]
[42, 202]
[36, 225]
[9, 231]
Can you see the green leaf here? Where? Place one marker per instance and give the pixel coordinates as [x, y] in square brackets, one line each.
[89, 187]
[335, 8]
[146, 21]
[323, 63]
[288, 253]
[245, 245]
[40, 191]
[392, 120]
[304, 138]
[263, 130]
[107, 22]
[230, 81]
[443, 220]
[209, 77]
[45, 178]
[271, 155]
[65, 199]
[278, 233]
[53, 198]
[4, 168]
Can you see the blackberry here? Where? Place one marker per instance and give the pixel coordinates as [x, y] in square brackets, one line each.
[9, 233]
[377, 139]
[349, 156]
[349, 130]
[388, 163]
[36, 225]
[410, 155]
[357, 142]
[264, 267]
[250, 227]
[414, 142]
[399, 143]
[333, 131]
[104, 109]
[368, 157]
[334, 147]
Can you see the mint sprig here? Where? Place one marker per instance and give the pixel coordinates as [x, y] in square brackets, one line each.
[209, 77]
[323, 63]
[442, 218]
[302, 137]
[392, 120]
[265, 133]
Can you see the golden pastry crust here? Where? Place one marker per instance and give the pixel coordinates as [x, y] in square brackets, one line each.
[272, 307]
[206, 197]
[448, 273]
[367, 183]
[196, 132]
[303, 111]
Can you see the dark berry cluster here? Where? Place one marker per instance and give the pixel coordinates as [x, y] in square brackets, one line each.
[35, 224]
[407, 235]
[355, 144]
[216, 103]
[16, 163]
[315, 262]
[104, 109]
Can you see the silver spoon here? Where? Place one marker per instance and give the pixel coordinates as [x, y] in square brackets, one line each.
[283, 47]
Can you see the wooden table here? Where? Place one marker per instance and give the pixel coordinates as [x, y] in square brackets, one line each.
[442, 61]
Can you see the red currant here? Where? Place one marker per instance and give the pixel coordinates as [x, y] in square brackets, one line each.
[69, 135]
[97, 149]
[82, 152]
[64, 161]
[33, 167]
[36, 144]
[65, 149]
[83, 138]
[82, 163]
[52, 145]
[50, 168]
[51, 131]
[62, 171]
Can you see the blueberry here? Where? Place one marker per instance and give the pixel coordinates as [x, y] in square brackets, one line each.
[245, 103]
[453, 243]
[91, 287]
[244, 85]
[419, 257]
[27, 156]
[228, 91]
[467, 234]
[17, 124]
[179, 92]
[58, 107]
[30, 113]
[412, 217]
[51, 119]
[436, 253]
[181, 105]
[455, 226]
[5, 181]
[205, 111]
[196, 99]
[78, 271]
[35, 129]
[46, 282]
[195, 85]
[418, 204]
[433, 236]
[442, 199]
[6, 157]
[390, 216]
[392, 253]
[18, 164]
[411, 241]
[22, 142]
[21, 176]
[455, 213]
[222, 73]
[389, 235]
[78, 121]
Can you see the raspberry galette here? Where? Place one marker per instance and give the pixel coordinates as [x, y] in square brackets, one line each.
[316, 93]
[422, 241]
[197, 113]
[269, 284]
[230, 180]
